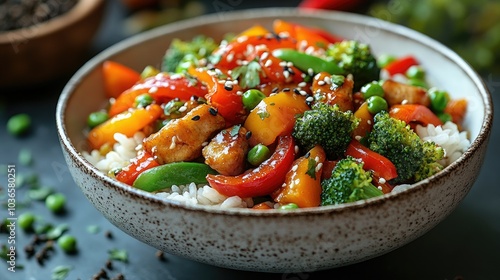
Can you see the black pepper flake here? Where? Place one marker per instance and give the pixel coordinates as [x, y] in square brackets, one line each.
[286, 89]
[160, 255]
[118, 277]
[194, 98]
[196, 118]
[296, 90]
[275, 89]
[307, 155]
[101, 274]
[108, 234]
[213, 111]
[228, 87]
[248, 135]
[109, 265]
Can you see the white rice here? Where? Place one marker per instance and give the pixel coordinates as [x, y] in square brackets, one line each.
[448, 137]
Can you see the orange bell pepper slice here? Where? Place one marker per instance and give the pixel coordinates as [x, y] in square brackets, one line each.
[118, 78]
[127, 123]
[305, 36]
[414, 113]
[274, 116]
[303, 181]
[457, 109]
[256, 30]
[365, 121]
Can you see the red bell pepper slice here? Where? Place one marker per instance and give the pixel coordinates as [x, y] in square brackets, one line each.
[341, 5]
[141, 163]
[380, 165]
[262, 180]
[118, 78]
[414, 113]
[401, 65]
[162, 87]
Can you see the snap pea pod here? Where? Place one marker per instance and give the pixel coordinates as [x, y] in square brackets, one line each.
[304, 61]
[177, 173]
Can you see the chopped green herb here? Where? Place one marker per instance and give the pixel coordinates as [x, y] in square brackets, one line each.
[263, 114]
[311, 168]
[249, 75]
[39, 193]
[337, 81]
[118, 255]
[55, 232]
[42, 227]
[235, 130]
[93, 229]
[25, 157]
[61, 272]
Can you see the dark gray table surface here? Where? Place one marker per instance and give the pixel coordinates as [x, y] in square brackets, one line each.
[466, 245]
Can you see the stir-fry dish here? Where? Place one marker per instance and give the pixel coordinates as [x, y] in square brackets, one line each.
[280, 118]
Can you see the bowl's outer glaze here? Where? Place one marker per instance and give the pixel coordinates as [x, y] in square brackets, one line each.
[274, 241]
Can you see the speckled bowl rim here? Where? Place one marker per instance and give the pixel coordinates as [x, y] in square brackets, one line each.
[398, 30]
[80, 10]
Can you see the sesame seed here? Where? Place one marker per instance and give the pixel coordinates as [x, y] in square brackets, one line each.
[183, 108]
[286, 74]
[379, 187]
[327, 79]
[309, 50]
[230, 57]
[241, 39]
[204, 144]
[264, 56]
[153, 90]
[303, 92]
[195, 118]
[321, 83]
[239, 92]
[310, 99]
[357, 137]
[404, 102]
[369, 121]
[382, 180]
[173, 144]
[282, 63]
[268, 63]
[297, 181]
[318, 167]
[289, 64]
[316, 159]
[310, 71]
[295, 167]
[212, 111]
[302, 84]
[296, 149]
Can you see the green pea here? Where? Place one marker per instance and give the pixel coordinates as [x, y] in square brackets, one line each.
[415, 72]
[418, 83]
[55, 202]
[384, 60]
[444, 117]
[439, 99]
[372, 89]
[26, 220]
[19, 124]
[67, 243]
[96, 118]
[258, 154]
[143, 100]
[251, 98]
[376, 104]
[149, 71]
[289, 206]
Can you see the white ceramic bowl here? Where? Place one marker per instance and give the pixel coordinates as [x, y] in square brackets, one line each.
[279, 241]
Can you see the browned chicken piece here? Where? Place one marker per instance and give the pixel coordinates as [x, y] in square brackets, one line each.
[333, 94]
[226, 152]
[182, 139]
[398, 93]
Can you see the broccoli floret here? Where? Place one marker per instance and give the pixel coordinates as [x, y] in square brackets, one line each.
[181, 54]
[349, 182]
[414, 158]
[327, 126]
[356, 59]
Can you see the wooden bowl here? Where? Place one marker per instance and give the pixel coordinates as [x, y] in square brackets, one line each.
[49, 50]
